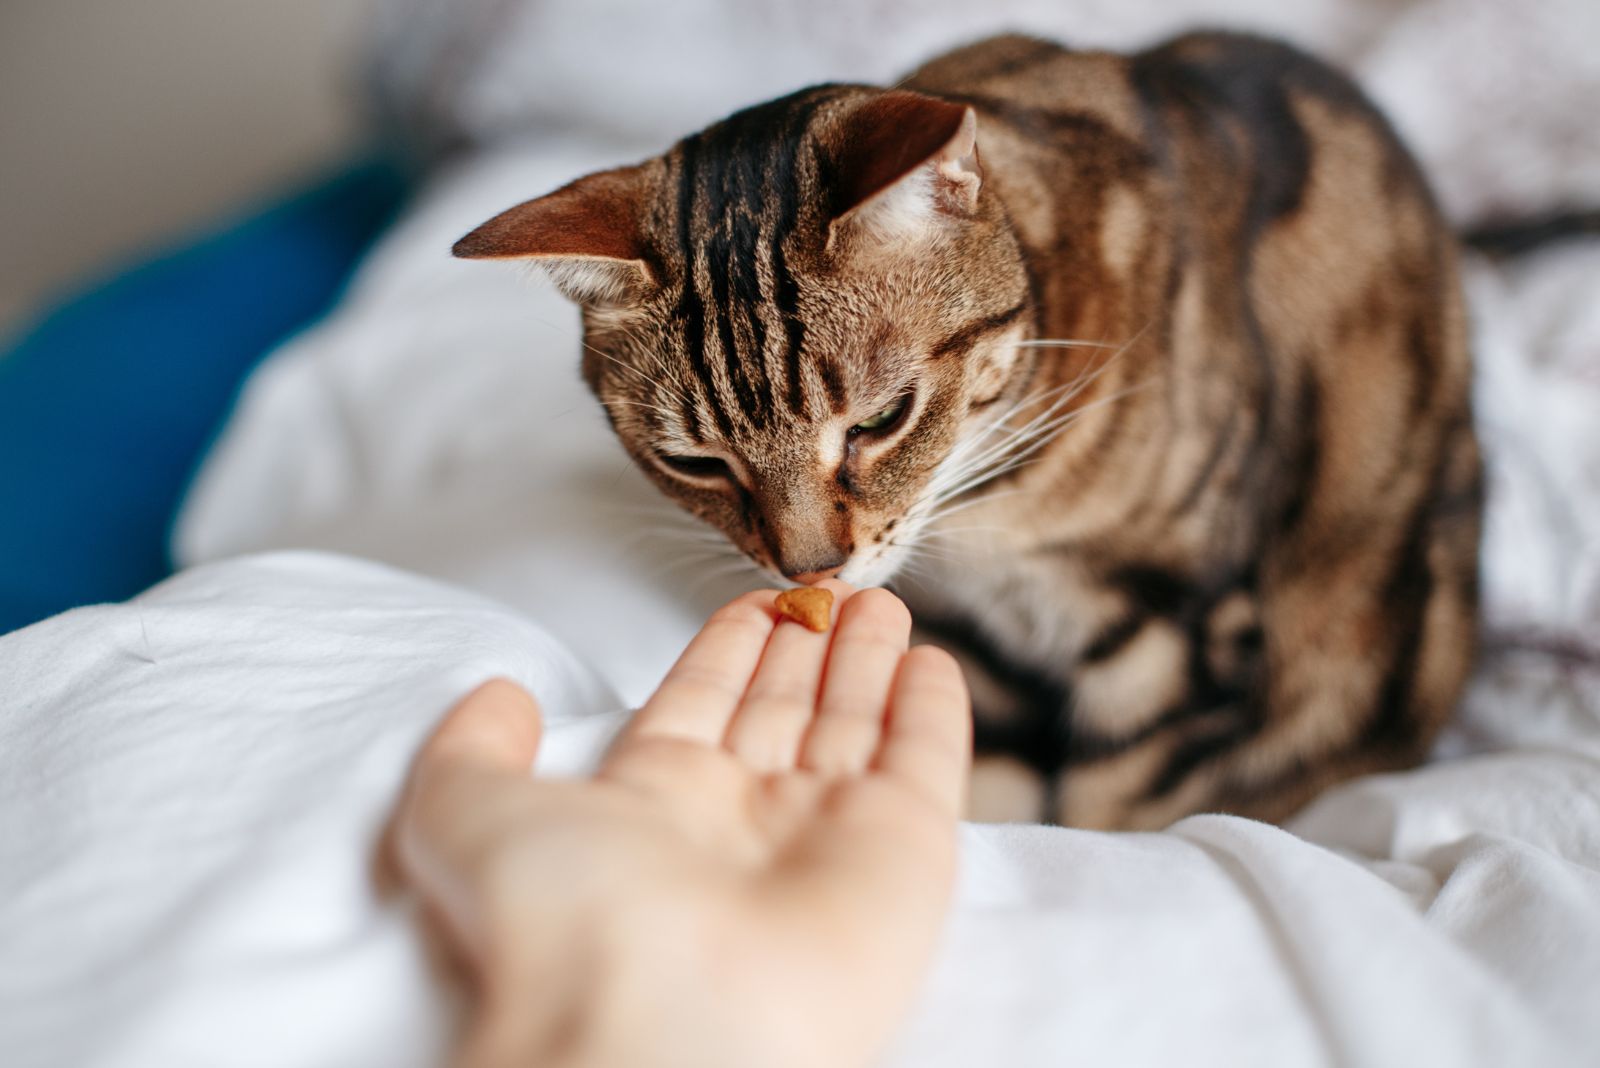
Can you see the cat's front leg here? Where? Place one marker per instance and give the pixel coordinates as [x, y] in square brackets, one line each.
[1015, 759]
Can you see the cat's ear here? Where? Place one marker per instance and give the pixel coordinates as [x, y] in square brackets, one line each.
[906, 162]
[586, 235]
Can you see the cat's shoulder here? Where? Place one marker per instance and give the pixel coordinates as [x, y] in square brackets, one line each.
[1234, 64]
[994, 58]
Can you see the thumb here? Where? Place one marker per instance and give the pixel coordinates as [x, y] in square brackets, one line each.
[435, 838]
[496, 727]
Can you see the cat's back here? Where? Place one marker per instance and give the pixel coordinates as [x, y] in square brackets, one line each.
[1209, 98]
[1240, 71]
[1034, 87]
[1289, 184]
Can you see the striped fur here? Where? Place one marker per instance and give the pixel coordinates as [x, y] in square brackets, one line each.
[1153, 400]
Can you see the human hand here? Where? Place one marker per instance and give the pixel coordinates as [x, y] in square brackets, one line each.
[756, 875]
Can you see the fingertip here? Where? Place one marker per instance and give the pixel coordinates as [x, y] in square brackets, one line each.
[494, 728]
[497, 725]
[938, 662]
[748, 607]
[933, 672]
[883, 606]
[842, 591]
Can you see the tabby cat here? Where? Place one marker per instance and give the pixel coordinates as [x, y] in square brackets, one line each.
[1147, 375]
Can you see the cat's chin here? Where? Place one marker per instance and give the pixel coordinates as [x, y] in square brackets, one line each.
[873, 569]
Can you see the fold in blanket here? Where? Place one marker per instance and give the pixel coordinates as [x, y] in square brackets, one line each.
[193, 787]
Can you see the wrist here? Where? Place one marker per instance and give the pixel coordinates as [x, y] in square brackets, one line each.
[550, 1008]
[631, 989]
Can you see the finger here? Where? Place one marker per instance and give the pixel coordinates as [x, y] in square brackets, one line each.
[488, 739]
[493, 730]
[698, 697]
[928, 744]
[874, 628]
[495, 727]
[766, 730]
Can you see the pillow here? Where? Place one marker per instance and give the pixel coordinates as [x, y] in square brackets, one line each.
[108, 402]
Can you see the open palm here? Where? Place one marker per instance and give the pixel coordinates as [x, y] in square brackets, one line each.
[760, 865]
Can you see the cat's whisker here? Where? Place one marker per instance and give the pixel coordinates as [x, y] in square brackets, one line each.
[962, 461]
[961, 473]
[663, 520]
[621, 402]
[663, 508]
[953, 532]
[968, 541]
[671, 388]
[919, 560]
[701, 553]
[1022, 445]
[700, 542]
[1039, 432]
[1062, 395]
[668, 569]
[695, 581]
[976, 451]
[1001, 426]
[911, 567]
[742, 568]
[997, 495]
[654, 523]
[920, 549]
[1013, 434]
[666, 514]
[729, 568]
[674, 539]
[1064, 343]
[666, 381]
[941, 510]
[1058, 398]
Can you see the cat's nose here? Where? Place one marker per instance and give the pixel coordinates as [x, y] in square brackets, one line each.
[810, 578]
[815, 570]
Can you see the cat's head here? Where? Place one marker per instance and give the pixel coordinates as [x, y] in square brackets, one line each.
[792, 317]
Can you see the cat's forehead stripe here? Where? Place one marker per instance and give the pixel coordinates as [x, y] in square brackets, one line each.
[738, 203]
[690, 312]
[786, 293]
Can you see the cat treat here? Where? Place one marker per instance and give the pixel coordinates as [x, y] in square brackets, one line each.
[809, 606]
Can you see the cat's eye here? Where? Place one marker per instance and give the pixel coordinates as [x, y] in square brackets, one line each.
[697, 466]
[885, 419]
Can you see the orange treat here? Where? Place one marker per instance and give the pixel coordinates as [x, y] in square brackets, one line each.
[809, 606]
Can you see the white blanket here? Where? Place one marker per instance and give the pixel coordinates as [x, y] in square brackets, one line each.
[191, 784]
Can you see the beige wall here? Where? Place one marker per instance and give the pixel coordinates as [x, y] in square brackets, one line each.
[123, 121]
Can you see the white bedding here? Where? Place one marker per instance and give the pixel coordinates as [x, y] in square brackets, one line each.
[191, 784]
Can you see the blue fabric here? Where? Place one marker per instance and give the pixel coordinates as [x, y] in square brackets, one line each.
[108, 402]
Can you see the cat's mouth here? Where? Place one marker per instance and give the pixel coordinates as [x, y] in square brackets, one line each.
[871, 567]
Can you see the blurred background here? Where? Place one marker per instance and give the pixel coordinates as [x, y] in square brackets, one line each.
[125, 124]
[186, 184]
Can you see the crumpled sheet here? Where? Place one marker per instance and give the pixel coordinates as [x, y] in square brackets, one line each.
[193, 788]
